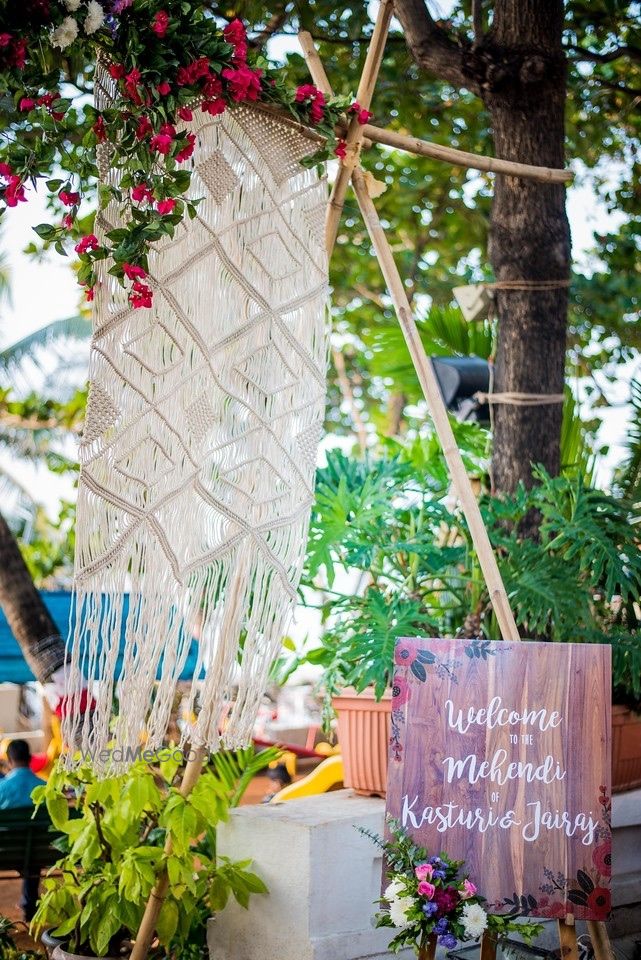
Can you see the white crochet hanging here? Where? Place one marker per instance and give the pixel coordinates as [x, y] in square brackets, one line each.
[199, 447]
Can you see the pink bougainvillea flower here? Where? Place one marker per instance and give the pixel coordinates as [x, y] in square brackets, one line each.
[68, 221]
[141, 295]
[143, 129]
[340, 150]
[213, 107]
[426, 889]
[68, 198]
[14, 192]
[468, 889]
[26, 104]
[5, 170]
[18, 54]
[90, 242]
[235, 34]
[100, 130]
[5, 40]
[308, 93]
[133, 272]
[165, 206]
[244, 83]
[89, 294]
[116, 71]
[141, 192]
[163, 141]
[185, 114]
[187, 150]
[424, 871]
[160, 23]
[400, 692]
[212, 87]
[164, 88]
[132, 81]
[363, 116]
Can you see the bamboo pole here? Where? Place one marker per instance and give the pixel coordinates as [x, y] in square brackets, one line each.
[354, 136]
[600, 940]
[459, 158]
[431, 391]
[159, 893]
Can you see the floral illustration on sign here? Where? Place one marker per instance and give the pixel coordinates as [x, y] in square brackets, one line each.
[588, 890]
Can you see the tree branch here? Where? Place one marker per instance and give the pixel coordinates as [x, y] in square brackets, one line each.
[633, 53]
[431, 46]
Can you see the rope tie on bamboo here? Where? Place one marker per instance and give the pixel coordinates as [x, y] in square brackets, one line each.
[520, 399]
[526, 285]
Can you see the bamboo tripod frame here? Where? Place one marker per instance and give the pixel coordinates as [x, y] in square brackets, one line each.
[357, 136]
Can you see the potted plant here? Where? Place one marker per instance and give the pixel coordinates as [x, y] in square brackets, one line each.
[9, 950]
[407, 568]
[114, 846]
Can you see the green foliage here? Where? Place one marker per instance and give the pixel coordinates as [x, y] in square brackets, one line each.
[113, 849]
[8, 948]
[407, 567]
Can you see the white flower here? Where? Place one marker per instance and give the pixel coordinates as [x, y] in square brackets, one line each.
[474, 920]
[95, 17]
[65, 34]
[398, 910]
[393, 890]
[72, 5]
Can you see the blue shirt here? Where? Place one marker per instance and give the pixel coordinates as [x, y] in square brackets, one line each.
[15, 789]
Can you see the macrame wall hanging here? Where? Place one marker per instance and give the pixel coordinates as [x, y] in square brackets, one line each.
[199, 448]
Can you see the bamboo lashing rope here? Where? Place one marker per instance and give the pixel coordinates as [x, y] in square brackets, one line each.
[526, 284]
[520, 399]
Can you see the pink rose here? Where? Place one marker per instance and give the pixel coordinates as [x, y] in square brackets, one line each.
[426, 889]
[467, 890]
[424, 871]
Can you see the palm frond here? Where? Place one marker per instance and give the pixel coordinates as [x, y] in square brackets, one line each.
[236, 769]
[71, 328]
[629, 474]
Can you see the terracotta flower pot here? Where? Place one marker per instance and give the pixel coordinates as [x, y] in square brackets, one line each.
[626, 749]
[364, 729]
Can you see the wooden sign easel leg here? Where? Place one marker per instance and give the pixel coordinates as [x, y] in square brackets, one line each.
[436, 406]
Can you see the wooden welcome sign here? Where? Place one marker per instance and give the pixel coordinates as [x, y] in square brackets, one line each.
[500, 756]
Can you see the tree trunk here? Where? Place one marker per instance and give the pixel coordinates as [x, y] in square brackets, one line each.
[524, 91]
[38, 636]
[518, 69]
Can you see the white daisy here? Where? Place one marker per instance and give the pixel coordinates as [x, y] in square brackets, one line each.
[72, 5]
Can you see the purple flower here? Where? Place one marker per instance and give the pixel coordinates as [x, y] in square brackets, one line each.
[447, 940]
[438, 875]
[429, 908]
[119, 5]
[441, 927]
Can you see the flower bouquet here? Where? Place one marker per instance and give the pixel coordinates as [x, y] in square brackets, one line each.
[429, 899]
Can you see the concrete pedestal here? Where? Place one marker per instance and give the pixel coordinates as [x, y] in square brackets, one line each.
[323, 878]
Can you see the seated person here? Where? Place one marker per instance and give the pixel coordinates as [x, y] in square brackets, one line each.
[15, 792]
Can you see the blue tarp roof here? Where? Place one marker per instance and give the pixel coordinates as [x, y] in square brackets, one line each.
[13, 666]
